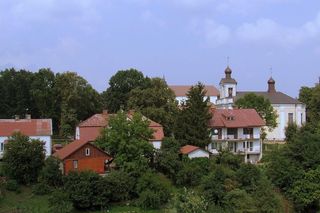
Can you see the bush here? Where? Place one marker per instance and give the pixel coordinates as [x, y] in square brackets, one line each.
[59, 202]
[41, 189]
[151, 184]
[121, 185]
[51, 173]
[87, 189]
[189, 202]
[12, 185]
[23, 158]
[149, 200]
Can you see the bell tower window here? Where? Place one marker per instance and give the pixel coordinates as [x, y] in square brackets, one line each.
[230, 91]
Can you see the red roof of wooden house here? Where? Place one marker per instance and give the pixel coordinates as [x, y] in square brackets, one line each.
[28, 127]
[188, 149]
[235, 118]
[71, 148]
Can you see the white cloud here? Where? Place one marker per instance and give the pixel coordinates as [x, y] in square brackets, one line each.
[267, 30]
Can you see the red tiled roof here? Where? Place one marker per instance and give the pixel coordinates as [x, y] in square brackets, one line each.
[240, 118]
[97, 120]
[101, 120]
[28, 127]
[182, 90]
[188, 149]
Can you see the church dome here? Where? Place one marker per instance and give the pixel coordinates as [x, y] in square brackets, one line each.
[228, 70]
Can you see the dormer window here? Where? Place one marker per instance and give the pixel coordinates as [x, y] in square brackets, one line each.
[230, 118]
[87, 151]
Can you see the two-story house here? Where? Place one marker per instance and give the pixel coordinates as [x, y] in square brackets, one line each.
[237, 130]
[90, 129]
[40, 129]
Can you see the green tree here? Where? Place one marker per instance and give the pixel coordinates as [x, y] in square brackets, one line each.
[262, 106]
[120, 86]
[127, 139]
[77, 99]
[156, 102]
[305, 96]
[23, 158]
[239, 201]
[191, 126]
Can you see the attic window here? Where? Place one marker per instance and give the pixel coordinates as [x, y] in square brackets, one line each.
[87, 151]
[230, 118]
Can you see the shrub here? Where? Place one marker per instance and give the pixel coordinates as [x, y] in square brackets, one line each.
[87, 189]
[149, 200]
[41, 189]
[151, 184]
[51, 173]
[12, 185]
[121, 185]
[59, 202]
[189, 202]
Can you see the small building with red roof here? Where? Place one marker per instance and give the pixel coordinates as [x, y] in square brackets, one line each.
[90, 129]
[194, 152]
[237, 130]
[40, 129]
[81, 155]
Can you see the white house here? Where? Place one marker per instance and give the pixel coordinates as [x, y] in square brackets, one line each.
[288, 109]
[237, 130]
[181, 91]
[34, 128]
[194, 152]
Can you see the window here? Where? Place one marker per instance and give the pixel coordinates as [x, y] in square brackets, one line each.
[290, 118]
[230, 90]
[301, 122]
[250, 146]
[214, 145]
[87, 151]
[244, 145]
[1, 147]
[231, 131]
[75, 164]
[248, 131]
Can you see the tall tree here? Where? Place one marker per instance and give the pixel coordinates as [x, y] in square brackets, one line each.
[77, 99]
[262, 106]
[157, 102]
[191, 126]
[120, 86]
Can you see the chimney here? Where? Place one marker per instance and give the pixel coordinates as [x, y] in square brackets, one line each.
[16, 117]
[271, 85]
[28, 116]
[105, 112]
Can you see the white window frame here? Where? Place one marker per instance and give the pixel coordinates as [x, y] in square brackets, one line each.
[87, 152]
[75, 164]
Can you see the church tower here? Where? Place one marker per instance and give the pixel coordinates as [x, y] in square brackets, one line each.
[228, 90]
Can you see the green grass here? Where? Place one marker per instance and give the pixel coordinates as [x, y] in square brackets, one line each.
[39, 204]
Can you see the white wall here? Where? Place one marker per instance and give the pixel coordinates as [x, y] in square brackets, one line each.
[156, 144]
[199, 153]
[46, 139]
[181, 99]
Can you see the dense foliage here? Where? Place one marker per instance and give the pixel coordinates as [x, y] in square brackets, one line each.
[191, 125]
[65, 97]
[23, 158]
[157, 102]
[295, 168]
[262, 106]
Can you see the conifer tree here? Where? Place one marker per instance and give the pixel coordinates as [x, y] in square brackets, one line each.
[191, 125]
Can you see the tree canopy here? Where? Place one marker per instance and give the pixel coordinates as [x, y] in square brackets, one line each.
[157, 102]
[120, 85]
[191, 126]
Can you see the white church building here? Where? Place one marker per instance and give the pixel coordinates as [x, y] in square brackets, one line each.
[288, 109]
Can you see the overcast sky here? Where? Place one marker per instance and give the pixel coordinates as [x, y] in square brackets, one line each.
[184, 40]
